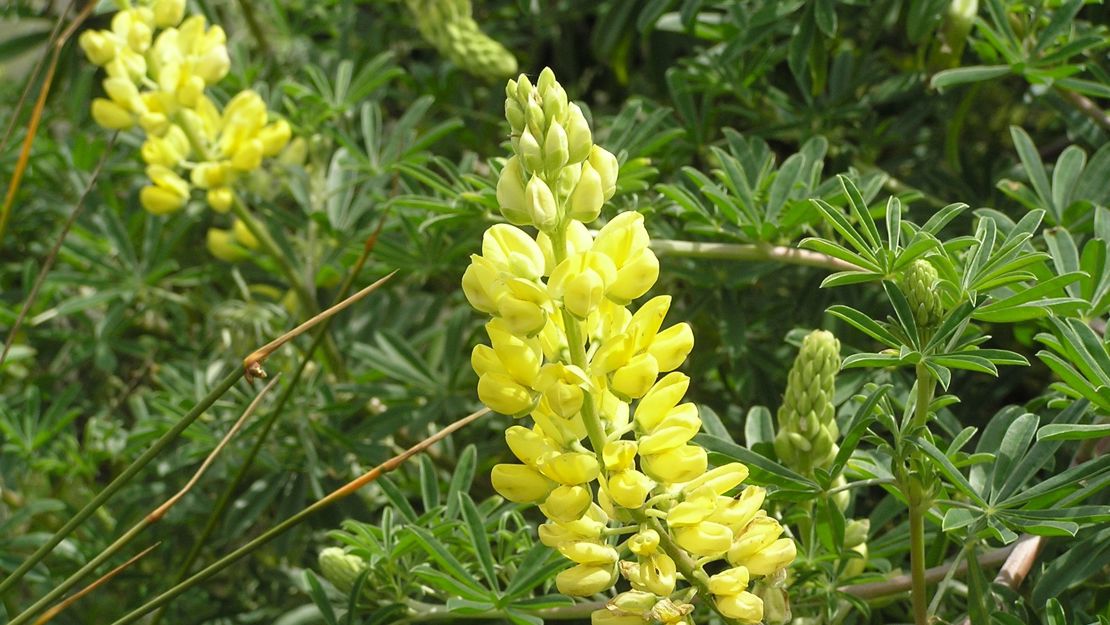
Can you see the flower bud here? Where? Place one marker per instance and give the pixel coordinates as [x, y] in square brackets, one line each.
[514, 113]
[918, 282]
[635, 277]
[586, 552]
[671, 346]
[510, 193]
[855, 533]
[661, 399]
[340, 568]
[275, 137]
[629, 488]
[704, 539]
[583, 580]
[677, 465]
[760, 534]
[160, 200]
[744, 607]
[520, 484]
[636, 378]
[588, 197]
[243, 235]
[721, 479]
[220, 199]
[529, 151]
[221, 244]
[677, 429]
[572, 467]
[729, 582]
[566, 504]
[579, 138]
[110, 115]
[511, 249]
[98, 47]
[772, 558]
[619, 455]
[500, 393]
[739, 512]
[607, 167]
[540, 204]
[644, 543]
[527, 445]
[555, 149]
[248, 157]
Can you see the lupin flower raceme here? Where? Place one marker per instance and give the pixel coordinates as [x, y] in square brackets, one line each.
[448, 25]
[159, 65]
[610, 439]
[807, 431]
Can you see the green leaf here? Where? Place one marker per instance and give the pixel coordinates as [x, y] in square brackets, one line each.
[1034, 168]
[865, 324]
[461, 479]
[479, 537]
[945, 466]
[978, 590]
[861, 421]
[759, 428]
[536, 567]
[449, 564]
[320, 598]
[903, 312]
[1073, 432]
[963, 75]
[859, 209]
[1017, 439]
[429, 483]
[763, 471]
[1064, 176]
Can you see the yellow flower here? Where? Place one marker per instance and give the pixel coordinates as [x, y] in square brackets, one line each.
[572, 467]
[583, 580]
[757, 536]
[110, 115]
[704, 539]
[744, 607]
[676, 465]
[729, 582]
[629, 488]
[520, 484]
[660, 400]
[772, 558]
[586, 552]
[567, 503]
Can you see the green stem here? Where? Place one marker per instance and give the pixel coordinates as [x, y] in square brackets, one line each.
[750, 252]
[267, 425]
[123, 478]
[918, 504]
[61, 589]
[421, 612]
[577, 345]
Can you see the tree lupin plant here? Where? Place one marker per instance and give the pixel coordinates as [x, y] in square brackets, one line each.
[567, 350]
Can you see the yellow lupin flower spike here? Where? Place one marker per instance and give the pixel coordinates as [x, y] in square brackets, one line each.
[160, 63]
[567, 349]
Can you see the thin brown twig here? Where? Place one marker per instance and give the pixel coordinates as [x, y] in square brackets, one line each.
[253, 363]
[53, 254]
[902, 583]
[36, 117]
[33, 76]
[104, 579]
[1086, 106]
[161, 510]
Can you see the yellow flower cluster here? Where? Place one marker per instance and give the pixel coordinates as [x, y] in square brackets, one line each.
[566, 349]
[159, 64]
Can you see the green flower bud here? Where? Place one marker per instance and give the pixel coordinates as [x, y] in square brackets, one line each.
[579, 137]
[607, 167]
[541, 206]
[514, 112]
[918, 283]
[450, 28]
[510, 193]
[807, 430]
[588, 196]
[555, 151]
[855, 533]
[340, 568]
[530, 151]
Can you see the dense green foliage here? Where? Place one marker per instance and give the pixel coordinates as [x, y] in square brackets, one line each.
[872, 135]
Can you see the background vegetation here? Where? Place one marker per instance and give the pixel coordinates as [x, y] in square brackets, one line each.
[727, 117]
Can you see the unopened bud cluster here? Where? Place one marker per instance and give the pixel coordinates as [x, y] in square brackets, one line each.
[160, 64]
[807, 431]
[610, 441]
[341, 568]
[918, 283]
[448, 25]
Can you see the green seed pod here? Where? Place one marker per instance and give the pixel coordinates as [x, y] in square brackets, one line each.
[450, 28]
[341, 568]
[918, 283]
[807, 430]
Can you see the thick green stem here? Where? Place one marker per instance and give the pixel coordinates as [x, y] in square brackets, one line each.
[750, 252]
[918, 504]
[125, 477]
